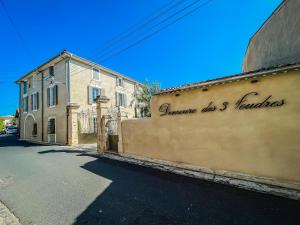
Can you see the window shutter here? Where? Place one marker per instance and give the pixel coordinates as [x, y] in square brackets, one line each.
[27, 104]
[37, 101]
[31, 102]
[48, 97]
[90, 95]
[56, 94]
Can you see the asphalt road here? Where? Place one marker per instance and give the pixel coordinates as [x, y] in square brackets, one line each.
[50, 185]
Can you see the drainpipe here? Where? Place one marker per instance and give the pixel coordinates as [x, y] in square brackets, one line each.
[20, 108]
[67, 66]
[42, 106]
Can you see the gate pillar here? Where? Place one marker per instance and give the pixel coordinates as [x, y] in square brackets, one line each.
[72, 113]
[120, 141]
[101, 137]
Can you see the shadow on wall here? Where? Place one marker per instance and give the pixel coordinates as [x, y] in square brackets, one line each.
[139, 195]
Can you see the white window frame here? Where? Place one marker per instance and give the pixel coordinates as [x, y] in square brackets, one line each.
[124, 94]
[51, 92]
[97, 87]
[93, 78]
[34, 101]
[23, 100]
[122, 82]
[25, 94]
[52, 117]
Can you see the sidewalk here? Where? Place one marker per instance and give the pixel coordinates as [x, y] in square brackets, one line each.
[6, 217]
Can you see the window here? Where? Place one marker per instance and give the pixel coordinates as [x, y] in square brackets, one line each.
[96, 74]
[25, 104]
[24, 87]
[120, 99]
[51, 71]
[93, 92]
[52, 96]
[34, 129]
[34, 101]
[120, 82]
[51, 126]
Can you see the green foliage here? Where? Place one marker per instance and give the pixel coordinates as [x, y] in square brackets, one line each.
[1, 124]
[144, 96]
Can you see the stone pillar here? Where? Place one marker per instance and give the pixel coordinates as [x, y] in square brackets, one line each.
[72, 112]
[120, 140]
[101, 140]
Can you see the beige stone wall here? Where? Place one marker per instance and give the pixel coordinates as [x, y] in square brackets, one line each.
[262, 142]
[81, 78]
[58, 112]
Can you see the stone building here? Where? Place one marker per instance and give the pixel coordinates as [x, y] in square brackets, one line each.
[277, 41]
[58, 99]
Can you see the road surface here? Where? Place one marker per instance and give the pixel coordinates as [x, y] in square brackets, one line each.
[46, 185]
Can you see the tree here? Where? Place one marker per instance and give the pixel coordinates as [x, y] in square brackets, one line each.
[143, 97]
[2, 124]
[15, 118]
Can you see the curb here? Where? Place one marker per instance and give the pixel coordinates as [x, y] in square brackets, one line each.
[228, 178]
[239, 180]
[6, 216]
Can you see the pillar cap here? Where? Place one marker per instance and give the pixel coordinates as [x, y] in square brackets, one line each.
[102, 99]
[73, 106]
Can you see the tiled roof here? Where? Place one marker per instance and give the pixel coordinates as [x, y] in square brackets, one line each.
[225, 79]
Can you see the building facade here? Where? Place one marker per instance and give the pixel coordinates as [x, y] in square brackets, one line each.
[47, 92]
[277, 41]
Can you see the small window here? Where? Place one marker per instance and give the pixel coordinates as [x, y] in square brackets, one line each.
[51, 126]
[51, 71]
[120, 82]
[25, 104]
[34, 129]
[96, 74]
[93, 92]
[96, 92]
[35, 101]
[120, 99]
[25, 87]
[52, 95]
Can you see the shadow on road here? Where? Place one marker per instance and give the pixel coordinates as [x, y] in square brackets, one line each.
[63, 151]
[139, 195]
[12, 140]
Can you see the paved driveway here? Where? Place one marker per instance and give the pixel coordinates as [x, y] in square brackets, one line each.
[50, 185]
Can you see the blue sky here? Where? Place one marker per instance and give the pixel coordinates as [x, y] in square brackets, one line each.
[206, 44]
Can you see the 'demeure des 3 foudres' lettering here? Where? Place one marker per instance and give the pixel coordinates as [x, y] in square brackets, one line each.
[243, 103]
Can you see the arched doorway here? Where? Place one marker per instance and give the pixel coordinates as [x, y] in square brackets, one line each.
[29, 126]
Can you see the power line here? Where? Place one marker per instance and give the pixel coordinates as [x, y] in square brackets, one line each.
[157, 31]
[141, 26]
[137, 27]
[168, 18]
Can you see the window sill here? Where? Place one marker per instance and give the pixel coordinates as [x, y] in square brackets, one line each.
[52, 106]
